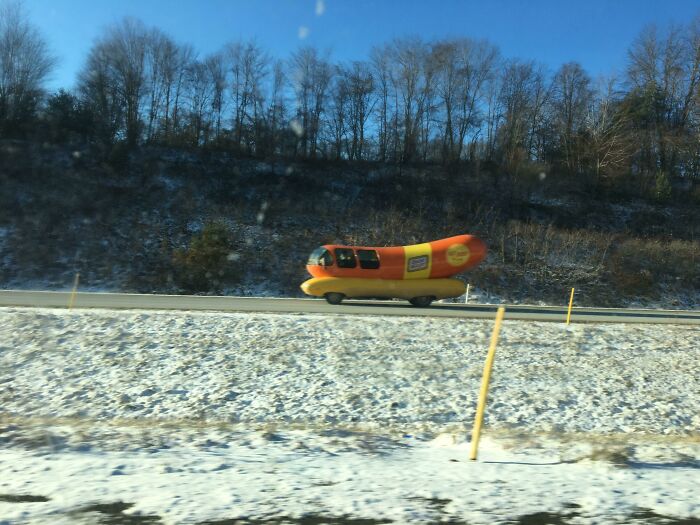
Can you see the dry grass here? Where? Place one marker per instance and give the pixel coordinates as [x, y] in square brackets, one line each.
[639, 266]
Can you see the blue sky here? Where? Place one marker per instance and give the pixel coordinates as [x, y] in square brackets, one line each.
[596, 33]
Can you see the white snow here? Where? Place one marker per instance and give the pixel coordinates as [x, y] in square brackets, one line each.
[210, 416]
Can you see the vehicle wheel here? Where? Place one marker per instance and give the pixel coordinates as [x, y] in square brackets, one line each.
[334, 297]
[422, 302]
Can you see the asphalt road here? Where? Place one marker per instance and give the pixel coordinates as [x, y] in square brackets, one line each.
[319, 306]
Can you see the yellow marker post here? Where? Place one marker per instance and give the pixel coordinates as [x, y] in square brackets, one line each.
[481, 406]
[71, 301]
[571, 303]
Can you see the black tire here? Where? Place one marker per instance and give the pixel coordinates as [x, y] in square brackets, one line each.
[334, 297]
[421, 302]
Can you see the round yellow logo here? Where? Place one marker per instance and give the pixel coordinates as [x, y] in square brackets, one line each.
[457, 254]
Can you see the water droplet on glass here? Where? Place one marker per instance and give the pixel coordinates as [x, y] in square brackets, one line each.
[296, 127]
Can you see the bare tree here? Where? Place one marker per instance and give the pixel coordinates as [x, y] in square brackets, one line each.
[516, 102]
[412, 79]
[99, 91]
[571, 104]
[133, 81]
[428, 110]
[454, 99]
[259, 74]
[381, 66]
[445, 55]
[663, 76]
[493, 118]
[690, 109]
[276, 109]
[311, 75]
[216, 69]
[607, 140]
[338, 111]
[117, 66]
[541, 128]
[360, 85]
[127, 43]
[464, 68]
[161, 63]
[25, 63]
[176, 75]
[249, 66]
[200, 90]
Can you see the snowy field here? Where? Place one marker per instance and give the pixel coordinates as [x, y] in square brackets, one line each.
[165, 417]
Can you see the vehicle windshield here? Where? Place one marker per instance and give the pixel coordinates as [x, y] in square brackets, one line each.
[320, 257]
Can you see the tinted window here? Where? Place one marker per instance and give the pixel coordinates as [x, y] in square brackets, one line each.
[321, 257]
[369, 260]
[345, 258]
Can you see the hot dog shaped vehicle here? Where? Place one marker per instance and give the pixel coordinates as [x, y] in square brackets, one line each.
[419, 273]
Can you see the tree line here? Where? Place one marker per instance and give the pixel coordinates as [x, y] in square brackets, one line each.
[452, 101]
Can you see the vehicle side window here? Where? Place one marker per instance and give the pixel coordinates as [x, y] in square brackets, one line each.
[369, 260]
[345, 258]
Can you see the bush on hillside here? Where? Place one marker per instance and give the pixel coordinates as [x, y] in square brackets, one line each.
[662, 187]
[208, 263]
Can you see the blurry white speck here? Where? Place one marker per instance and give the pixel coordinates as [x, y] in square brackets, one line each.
[303, 32]
[320, 7]
[261, 217]
[233, 256]
[543, 175]
[76, 154]
[289, 170]
[264, 206]
[296, 127]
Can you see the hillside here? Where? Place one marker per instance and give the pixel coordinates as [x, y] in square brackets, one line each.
[137, 221]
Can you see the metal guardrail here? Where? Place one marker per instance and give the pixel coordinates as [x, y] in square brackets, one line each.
[41, 299]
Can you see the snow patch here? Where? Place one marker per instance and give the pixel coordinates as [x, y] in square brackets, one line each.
[205, 416]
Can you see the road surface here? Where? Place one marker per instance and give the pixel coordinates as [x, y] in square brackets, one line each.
[319, 306]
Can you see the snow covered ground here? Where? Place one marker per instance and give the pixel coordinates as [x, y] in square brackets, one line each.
[194, 417]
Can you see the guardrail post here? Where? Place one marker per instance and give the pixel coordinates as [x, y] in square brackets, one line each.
[466, 295]
[485, 379]
[571, 303]
[73, 293]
